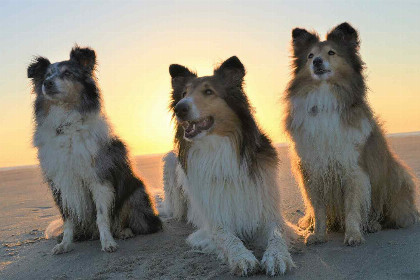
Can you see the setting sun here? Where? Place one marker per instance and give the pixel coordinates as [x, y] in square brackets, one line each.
[136, 43]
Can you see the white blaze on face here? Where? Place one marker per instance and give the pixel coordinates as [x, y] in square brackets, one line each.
[326, 66]
[51, 73]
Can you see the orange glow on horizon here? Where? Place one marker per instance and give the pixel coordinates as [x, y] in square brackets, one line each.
[136, 42]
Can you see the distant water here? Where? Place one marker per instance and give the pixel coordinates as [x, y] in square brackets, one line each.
[149, 156]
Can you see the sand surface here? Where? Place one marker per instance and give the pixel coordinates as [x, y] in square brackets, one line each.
[26, 208]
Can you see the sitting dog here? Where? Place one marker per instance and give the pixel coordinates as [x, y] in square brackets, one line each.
[348, 175]
[222, 176]
[84, 163]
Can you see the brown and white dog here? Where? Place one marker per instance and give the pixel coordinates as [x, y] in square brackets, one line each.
[223, 173]
[349, 177]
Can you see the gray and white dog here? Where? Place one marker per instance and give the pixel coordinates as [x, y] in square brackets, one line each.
[84, 163]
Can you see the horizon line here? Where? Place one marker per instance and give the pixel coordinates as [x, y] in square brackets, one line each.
[281, 144]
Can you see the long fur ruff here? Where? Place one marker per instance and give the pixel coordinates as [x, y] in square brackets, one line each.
[348, 175]
[83, 162]
[226, 185]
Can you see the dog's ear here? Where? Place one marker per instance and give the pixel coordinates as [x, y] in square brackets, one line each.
[302, 40]
[38, 67]
[232, 70]
[86, 57]
[344, 34]
[180, 75]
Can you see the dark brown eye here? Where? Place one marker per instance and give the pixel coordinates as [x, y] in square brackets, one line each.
[183, 94]
[208, 92]
[310, 55]
[331, 53]
[67, 74]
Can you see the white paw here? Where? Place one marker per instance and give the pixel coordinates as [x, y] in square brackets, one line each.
[276, 262]
[244, 264]
[109, 245]
[62, 248]
[313, 238]
[126, 233]
[353, 238]
[201, 240]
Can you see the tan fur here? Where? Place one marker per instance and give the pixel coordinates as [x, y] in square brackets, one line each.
[358, 184]
[70, 100]
[393, 185]
[226, 122]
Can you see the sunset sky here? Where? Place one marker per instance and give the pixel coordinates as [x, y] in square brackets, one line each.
[136, 41]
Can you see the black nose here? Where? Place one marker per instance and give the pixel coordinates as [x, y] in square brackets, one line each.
[317, 62]
[48, 84]
[181, 109]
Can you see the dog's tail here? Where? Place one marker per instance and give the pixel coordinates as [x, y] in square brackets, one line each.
[402, 202]
[54, 229]
[143, 217]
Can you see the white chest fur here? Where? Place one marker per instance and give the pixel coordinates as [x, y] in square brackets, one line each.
[320, 137]
[67, 145]
[221, 191]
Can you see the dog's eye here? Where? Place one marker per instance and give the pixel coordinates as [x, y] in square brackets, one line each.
[67, 73]
[183, 94]
[331, 53]
[310, 55]
[208, 92]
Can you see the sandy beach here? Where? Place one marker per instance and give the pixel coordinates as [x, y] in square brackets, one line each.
[26, 208]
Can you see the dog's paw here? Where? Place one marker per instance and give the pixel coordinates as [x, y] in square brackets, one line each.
[201, 240]
[109, 246]
[313, 238]
[276, 262]
[62, 248]
[244, 264]
[353, 238]
[126, 233]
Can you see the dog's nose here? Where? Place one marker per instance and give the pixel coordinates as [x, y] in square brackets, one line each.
[48, 84]
[181, 109]
[317, 62]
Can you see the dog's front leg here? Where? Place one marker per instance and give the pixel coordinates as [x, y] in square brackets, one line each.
[66, 245]
[356, 206]
[241, 260]
[103, 196]
[276, 259]
[320, 216]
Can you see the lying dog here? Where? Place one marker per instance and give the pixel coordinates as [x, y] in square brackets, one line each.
[348, 175]
[84, 163]
[223, 174]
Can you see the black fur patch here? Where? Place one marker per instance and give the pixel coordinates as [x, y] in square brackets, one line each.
[112, 165]
[38, 67]
[180, 76]
[85, 57]
[302, 42]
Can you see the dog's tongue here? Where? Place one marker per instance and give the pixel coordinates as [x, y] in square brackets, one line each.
[203, 124]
